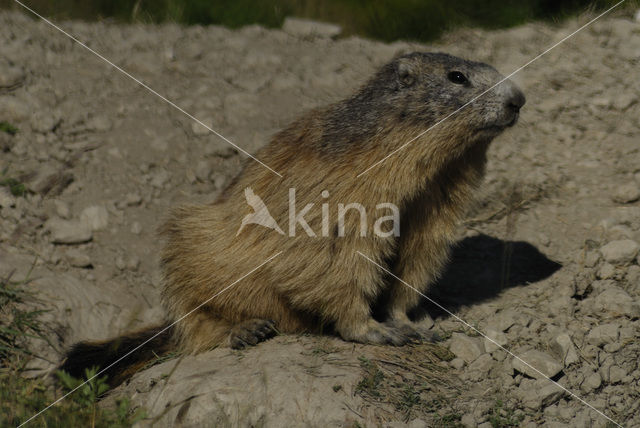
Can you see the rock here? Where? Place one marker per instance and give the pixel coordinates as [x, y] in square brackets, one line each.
[465, 347]
[494, 340]
[50, 181]
[457, 363]
[603, 334]
[133, 199]
[614, 302]
[539, 394]
[480, 368]
[544, 363]
[160, 178]
[591, 382]
[616, 374]
[306, 28]
[13, 110]
[200, 130]
[62, 209]
[99, 124]
[203, 170]
[468, 420]
[7, 200]
[95, 217]
[78, 258]
[627, 193]
[266, 394]
[136, 228]
[67, 231]
[620, 252]
[10, 75]
[606, 271]
[45, 121]
[503, 320]
[563, 348]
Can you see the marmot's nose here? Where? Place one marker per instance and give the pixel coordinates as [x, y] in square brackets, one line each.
[515, 98]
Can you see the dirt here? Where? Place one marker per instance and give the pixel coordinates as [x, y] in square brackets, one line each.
[547, 263]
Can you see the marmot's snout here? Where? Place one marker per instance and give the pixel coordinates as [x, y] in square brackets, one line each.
[514, 100]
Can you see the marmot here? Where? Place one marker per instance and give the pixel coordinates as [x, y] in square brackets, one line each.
[319, 278]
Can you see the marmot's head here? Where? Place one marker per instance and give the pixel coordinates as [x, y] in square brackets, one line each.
[424, 88]
[418, 91]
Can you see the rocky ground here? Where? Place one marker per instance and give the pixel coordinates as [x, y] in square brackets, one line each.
[547, 264]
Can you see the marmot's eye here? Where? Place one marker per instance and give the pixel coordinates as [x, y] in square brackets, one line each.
[457, 77]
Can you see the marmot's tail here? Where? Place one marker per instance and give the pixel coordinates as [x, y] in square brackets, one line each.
[119, 357]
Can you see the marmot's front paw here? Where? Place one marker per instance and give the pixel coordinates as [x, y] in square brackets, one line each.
[378, 334]
[414, 330]
[251, 332]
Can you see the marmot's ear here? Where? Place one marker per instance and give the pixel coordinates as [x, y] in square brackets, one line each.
[405, 73]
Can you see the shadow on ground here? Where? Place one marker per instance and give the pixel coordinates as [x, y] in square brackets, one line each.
[481, 267]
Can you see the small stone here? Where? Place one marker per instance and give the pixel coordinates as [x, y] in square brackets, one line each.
[627, 193]
[465, 347]
[606, 271]
[68, 232]
[625, 100]
[203, 170]
[616, 374]
[468, 420]
[417, 423]
[133, 199]
[457, 363]
[591, 382]
[7, 200]
[592, 258]
[99, 124]
[480, 368]
[201, 130]
[10, 76]
[546, 365]
[136, 228]
[614, 301]
[549, 393]
[603, 334]
[62, 209]
[503, 320]
[160, 178]
[78, 258]
[133, 263]
[494, 340]
[306, 28]
[44, 121]
[562, 346]
[96, 217]
[620, 252]
[120, 263]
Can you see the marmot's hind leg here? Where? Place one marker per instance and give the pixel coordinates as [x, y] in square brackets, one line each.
[251, 332]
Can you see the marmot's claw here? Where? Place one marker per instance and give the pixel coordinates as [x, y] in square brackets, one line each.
[251, 332]
[415, 331]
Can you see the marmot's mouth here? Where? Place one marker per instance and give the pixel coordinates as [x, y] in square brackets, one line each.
[501, 127]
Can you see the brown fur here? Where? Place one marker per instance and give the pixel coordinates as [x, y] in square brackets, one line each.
[323, 281]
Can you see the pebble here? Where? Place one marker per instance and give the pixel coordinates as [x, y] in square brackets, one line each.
[62, 209]
[133, 199]
[562, 346]
[591, 382]
[78, 258]
[603, 334]
[541, 361]
[136, 228]
[620, 252]
[10, 76]
[95, 217]
[614, 301]
[627, 193]
[465, 347]
[493, 339]
[203, 170]
[7, 200]
[68, 231]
